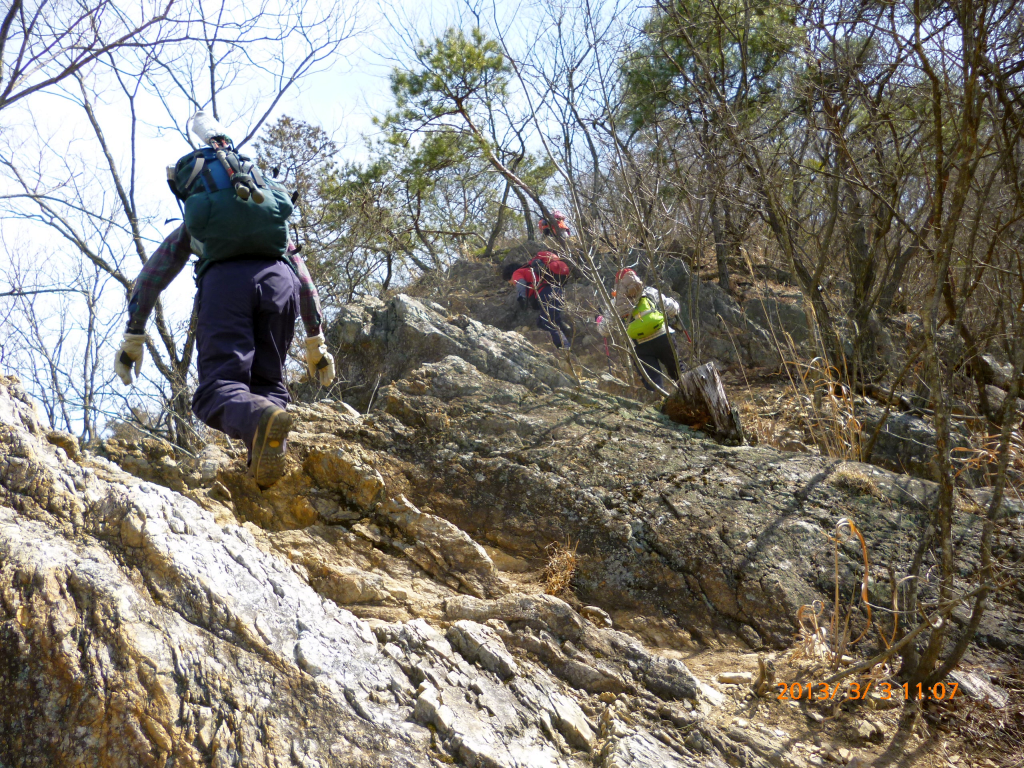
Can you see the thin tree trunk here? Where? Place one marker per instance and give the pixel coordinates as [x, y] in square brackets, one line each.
[496, 230]
[721, 249]
[527, 217]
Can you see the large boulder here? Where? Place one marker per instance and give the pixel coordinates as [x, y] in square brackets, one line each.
[359, 612]
[994, 372]
[906, 443]
[781, 316]
[140, 628]
[380, 342]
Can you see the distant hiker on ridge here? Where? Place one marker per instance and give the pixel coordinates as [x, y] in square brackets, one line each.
[251, 283]
[561, 226]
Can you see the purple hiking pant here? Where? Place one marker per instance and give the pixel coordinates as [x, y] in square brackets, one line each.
[247, 312]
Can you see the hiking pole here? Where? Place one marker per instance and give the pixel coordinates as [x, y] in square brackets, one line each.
[243, 183]
[210, 130]
[607, 354]
[686, 333]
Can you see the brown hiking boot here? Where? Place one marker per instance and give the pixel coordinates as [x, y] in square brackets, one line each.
[269, 446]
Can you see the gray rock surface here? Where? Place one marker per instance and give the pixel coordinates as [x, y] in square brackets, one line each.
[389, 340]
[141, 627]
[722, 329]
[783, 317]
[167, 612]
[906, 442]
[995, 372]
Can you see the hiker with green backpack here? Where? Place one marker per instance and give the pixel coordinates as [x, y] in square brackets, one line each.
[251, 286]
[646, 324]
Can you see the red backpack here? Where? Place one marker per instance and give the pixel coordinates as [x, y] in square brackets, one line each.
[550, 268]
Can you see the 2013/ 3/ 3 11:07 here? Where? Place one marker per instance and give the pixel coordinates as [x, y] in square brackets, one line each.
[821, 691]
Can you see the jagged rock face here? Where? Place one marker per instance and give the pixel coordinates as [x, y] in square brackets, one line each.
[726, 542]
[373, 607]
[137, 630]
[383, 342]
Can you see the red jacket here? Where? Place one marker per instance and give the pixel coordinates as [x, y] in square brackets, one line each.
[527, 276]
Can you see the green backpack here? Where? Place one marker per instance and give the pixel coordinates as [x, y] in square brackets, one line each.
[223, 225]
[647, 320]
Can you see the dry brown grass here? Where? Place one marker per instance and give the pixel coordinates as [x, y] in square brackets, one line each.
[855, 480]
[561, 567]
[773, 417]
[826, 631]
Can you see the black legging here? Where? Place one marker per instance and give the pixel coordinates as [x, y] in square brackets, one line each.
[655, 353]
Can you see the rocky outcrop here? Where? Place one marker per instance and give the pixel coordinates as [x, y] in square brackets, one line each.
[994, 372]
[383, 603]
[139, 627]
[380, 343]
[784, 318]
[906, 443]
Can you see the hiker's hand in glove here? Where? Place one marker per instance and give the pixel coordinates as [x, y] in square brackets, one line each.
[131, 353]
[319, 361]
[603, 326]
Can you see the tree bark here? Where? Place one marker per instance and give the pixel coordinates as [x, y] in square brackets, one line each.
[496, 230]
[524, 203]
[701, 403]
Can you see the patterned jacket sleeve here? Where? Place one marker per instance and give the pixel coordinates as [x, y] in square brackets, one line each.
[309, 299]
[163, 266]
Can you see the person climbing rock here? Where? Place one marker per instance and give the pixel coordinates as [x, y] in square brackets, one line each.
[525, 281]
[538, 287]
[553, 274]
[251, 284]
[641, 311]
[560, 225]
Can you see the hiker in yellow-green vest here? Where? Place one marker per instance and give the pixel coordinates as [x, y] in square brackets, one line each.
[646, 324]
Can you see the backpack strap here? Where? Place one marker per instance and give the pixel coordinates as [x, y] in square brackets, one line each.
[211, 183]
[197, 168]
[254, 171]
[640, 312]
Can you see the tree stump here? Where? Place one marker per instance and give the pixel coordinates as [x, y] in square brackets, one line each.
[701, 403]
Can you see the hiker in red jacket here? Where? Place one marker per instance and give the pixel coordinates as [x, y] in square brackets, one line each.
[524, 279]
[560, 226]
[553, 274]
[535, 291]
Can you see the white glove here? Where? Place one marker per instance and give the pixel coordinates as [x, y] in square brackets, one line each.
[132, 351]
[671, 306]
[604, 327]
[318, 360]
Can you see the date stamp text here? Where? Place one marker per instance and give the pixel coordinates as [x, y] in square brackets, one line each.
[812, 691]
